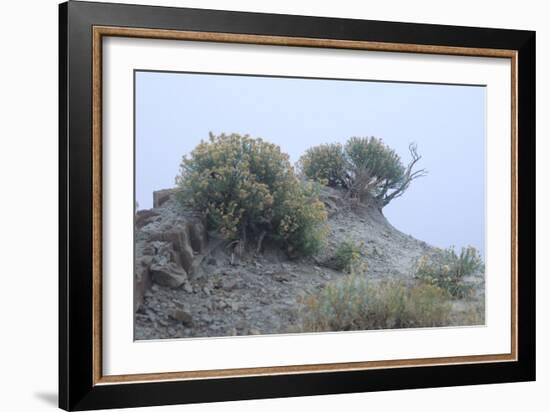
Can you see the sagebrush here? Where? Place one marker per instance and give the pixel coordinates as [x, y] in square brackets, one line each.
[365, 167]
[353, 303]
[248, 190]
[449, 270]
[347, 255]
[327, 164]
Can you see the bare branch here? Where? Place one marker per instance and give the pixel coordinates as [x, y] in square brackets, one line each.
[408, 176]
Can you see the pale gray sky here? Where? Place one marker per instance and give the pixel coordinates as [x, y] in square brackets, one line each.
[174, 111]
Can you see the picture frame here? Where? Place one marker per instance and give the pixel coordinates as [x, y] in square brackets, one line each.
[83, 27]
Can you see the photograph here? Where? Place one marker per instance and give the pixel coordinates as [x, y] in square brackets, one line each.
[256, 205]
[286, 205]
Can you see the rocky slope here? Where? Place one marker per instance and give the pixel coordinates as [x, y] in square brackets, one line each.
[190, 283]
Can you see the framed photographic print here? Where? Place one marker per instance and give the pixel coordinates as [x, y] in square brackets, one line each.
[256, 205]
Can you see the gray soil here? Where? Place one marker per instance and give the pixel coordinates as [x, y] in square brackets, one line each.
[190, 283]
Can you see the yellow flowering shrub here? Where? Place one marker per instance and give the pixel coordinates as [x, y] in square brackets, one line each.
[300, 218]
[248, 189]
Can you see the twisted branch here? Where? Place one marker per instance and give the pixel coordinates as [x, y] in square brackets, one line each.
[408, 177]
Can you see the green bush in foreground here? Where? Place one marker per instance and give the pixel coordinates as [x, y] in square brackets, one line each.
[448, 270]
[247, 189]
[353, 303]
[364, 166]
[347, 256]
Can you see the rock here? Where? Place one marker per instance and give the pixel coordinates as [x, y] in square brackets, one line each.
[177, 236]
[142, 284]
[161, 196]
[241, 325]
[286, 267]
[144, 217]
[212, 261]
[180, 305]
[281, 277]
[235, 306]
[170, 275]
[197, 236]
[141, 317]
[196, 269]
[182, 316]
[289, 301]
[254, 331]
[148, 250]
[222, 304]
[151, 315]
[144, 261]
[187, 287]
[206, 291]
[228, 284]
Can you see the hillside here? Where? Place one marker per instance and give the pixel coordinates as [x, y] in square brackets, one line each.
[191, 283]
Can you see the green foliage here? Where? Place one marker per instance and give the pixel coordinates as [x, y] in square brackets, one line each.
[347, 256]
[247, 188]
[372, 157]
[353, 303]
[364, 166]
[300, 219]
[325, 163]
[448, 270]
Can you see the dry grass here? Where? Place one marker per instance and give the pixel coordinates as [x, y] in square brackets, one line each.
[353, 303]
[468, 313]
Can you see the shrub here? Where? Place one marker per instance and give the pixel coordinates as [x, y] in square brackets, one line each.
[353, 303]
[472, 312]
[325, 163]
[347, 256]
[299, 219]
[247, 188]
[363, 166]
[448, 270]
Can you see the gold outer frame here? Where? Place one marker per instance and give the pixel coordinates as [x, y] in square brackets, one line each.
[101, 31]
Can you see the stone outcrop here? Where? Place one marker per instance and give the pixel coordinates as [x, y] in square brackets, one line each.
[169, 242]
[168, 274]
[161, 196]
